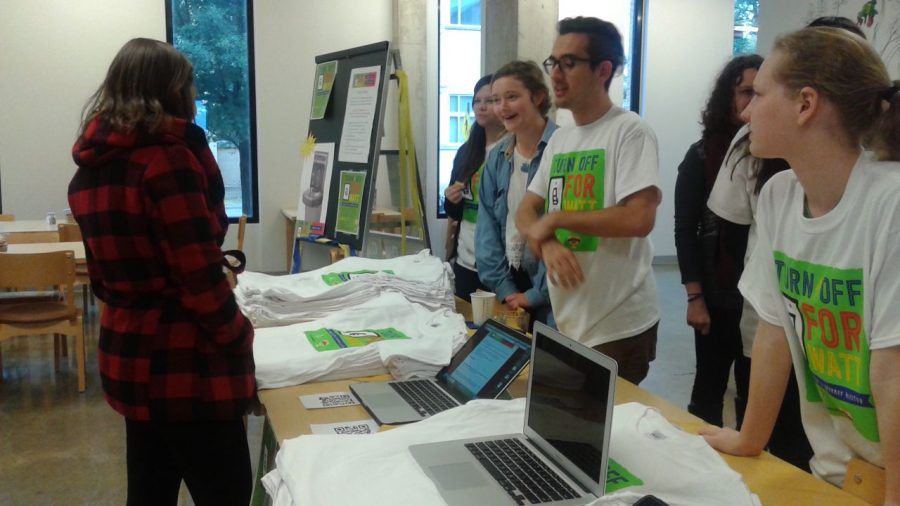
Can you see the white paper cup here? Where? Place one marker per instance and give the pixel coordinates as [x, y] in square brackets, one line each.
[482, 306]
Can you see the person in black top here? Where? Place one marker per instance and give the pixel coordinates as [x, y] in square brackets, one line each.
[461, 196]
[711, 250]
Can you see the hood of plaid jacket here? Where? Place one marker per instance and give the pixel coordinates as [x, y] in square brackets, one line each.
[99, 141]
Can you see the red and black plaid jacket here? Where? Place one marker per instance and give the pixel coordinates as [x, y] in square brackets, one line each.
[173, 344]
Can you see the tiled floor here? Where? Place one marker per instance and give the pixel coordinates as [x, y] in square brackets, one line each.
[59, 447]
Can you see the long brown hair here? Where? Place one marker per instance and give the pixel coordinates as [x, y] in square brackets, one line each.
[845, 70]
[147, 81]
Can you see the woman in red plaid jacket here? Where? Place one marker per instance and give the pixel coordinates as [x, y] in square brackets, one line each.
[175, 351]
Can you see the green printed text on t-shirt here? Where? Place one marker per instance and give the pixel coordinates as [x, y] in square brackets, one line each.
[331, 339]
[470, 197]
[618, 477]
[826, 306]
[577, 184]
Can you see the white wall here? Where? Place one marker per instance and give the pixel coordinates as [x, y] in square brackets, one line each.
[289, 35]
[687, 43]
[53, 56]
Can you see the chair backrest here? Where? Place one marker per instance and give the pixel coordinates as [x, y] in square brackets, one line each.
[242, 226]
[23, 271]
[7, 217]
[69, 232]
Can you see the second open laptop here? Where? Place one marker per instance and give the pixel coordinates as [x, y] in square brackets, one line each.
[560, 457]
[483, 368]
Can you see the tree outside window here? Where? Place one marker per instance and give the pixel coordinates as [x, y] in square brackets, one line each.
[215, 35]
[746, 23]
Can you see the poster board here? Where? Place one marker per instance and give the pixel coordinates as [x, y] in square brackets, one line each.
[351, 126]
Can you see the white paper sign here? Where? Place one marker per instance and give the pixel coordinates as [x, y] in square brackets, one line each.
[357, 427]
[362, 97]
[328, 400]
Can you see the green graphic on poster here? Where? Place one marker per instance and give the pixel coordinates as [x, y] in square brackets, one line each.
[332, 339]
[325, 73]
[577, 184]
[350, 202]
[826, 306]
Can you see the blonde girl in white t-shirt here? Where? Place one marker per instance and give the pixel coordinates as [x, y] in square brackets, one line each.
[825, 274]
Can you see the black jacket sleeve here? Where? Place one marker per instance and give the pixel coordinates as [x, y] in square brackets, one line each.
[690, 201]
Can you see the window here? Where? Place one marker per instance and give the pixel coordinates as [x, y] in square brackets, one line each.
[628, 16]
[459, 68]
[217, 35]
[465, 12]
[746, 22]
[461, 118]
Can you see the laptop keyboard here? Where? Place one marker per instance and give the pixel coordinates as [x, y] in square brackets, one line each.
[520, 472]
[424, 396]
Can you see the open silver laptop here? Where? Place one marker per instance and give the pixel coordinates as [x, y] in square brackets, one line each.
[562, 455]
[483, 368]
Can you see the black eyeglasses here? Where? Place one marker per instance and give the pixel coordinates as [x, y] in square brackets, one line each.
[566, 62]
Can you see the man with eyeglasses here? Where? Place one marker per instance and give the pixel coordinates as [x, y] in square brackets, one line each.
[593, 202]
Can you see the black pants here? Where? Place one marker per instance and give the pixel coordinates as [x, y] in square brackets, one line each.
[789, 441]
[211, 457]
[716, 352]
[466, 282]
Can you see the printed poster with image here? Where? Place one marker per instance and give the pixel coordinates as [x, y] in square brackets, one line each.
[315, 184]
[353, 183]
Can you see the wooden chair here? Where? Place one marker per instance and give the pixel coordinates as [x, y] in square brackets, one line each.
[32, 237]
[7, 217]
[37, 317]
[865, 481]
[71, 232]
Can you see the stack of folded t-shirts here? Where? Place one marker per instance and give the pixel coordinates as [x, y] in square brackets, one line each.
[385, 334]
[279, 300]
[679, 468]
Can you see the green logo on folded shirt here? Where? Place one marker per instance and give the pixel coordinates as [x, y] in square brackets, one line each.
[332, 339]
[617, 477]
[336, 278]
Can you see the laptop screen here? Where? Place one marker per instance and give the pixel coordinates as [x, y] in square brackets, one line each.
[495, 356]
[568, 402]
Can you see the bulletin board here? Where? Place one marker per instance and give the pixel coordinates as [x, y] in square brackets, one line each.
[353, 121]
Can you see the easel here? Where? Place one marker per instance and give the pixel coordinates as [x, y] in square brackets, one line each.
[404, 225]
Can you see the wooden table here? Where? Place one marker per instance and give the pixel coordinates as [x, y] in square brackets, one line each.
[29, 231]
[46, 247]
[773, 480]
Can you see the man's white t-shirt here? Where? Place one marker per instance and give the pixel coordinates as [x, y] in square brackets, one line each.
[465, 247]
[596, 166]
[733, 198]
[832, 283]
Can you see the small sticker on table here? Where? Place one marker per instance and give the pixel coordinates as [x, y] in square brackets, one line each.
[328, 400]
[357, 427]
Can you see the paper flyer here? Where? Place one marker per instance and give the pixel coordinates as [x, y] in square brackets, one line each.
[359, 116]
[325, 73]
[328, 400]
[357, 427]
[353, 184]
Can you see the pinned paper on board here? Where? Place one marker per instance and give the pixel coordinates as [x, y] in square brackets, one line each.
[353, 183]
[359, 116]
[325, 73]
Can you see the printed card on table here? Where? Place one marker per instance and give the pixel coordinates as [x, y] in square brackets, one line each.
[356, 427]
[328, 400]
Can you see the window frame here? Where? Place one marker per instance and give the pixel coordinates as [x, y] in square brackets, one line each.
[252, 193]
[460, 116]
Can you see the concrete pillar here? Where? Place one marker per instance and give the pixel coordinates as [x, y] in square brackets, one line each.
[516, 30]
